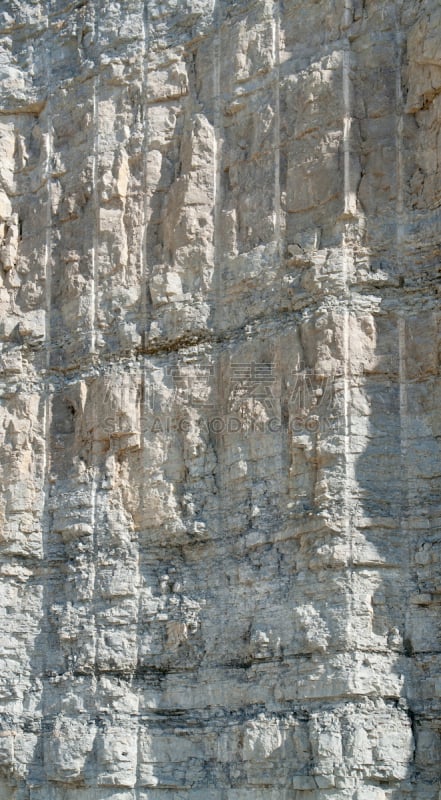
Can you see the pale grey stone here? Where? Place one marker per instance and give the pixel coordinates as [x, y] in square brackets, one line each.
[220, 432]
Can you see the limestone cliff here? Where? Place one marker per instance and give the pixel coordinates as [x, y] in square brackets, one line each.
[220, 550]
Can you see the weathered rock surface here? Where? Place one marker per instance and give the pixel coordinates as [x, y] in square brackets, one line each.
[220, 550]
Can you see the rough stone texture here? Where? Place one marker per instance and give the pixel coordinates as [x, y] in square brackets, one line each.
[220, 549]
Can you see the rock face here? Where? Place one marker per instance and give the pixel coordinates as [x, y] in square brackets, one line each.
[220, 549]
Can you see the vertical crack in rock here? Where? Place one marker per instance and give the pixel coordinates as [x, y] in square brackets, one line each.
[276, 68]
[36, 764]
[94, 179]
[406, 532]
[144, 120]
[347, 262]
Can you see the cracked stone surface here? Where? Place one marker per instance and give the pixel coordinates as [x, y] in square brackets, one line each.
[220, 549]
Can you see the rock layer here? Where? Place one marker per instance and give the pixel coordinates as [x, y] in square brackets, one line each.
[220, 552]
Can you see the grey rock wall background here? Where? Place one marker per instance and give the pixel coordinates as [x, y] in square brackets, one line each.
[220, 549]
